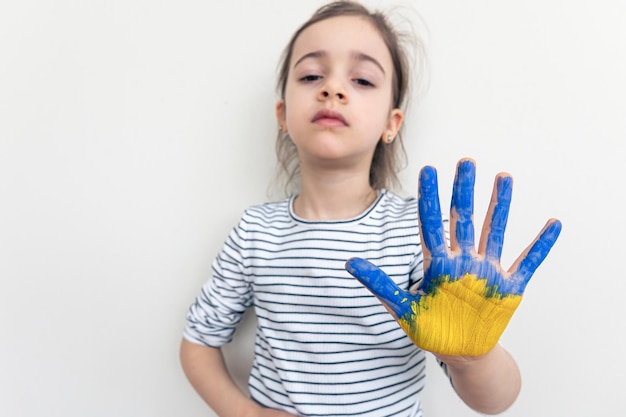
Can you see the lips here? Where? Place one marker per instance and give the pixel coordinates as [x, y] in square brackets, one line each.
[327, 117]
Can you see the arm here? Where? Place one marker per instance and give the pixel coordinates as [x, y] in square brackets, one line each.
[206, 371]
[489, 383]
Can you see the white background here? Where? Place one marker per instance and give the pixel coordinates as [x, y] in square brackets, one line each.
[134, 133]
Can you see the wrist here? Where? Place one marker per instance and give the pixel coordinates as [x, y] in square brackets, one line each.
[464, 363]
[251, 409]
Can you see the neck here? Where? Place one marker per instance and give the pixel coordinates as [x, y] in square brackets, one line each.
[333, 195]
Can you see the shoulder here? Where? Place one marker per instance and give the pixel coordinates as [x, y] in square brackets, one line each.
[261, 223]
[392, 213]
[271, 208]
[392, 205]
[269, 213]
[396, 199]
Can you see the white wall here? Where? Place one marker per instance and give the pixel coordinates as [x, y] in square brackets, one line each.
[125, 124]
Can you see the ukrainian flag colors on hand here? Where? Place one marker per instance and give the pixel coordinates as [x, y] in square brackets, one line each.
[466, 298]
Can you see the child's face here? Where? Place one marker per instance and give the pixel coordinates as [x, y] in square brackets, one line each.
[338, 96]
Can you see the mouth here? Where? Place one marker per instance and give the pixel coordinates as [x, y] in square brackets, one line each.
[329, 118]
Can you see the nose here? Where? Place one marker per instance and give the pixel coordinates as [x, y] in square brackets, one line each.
[332, 90]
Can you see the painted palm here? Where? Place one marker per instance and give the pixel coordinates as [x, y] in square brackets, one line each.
[466, 298]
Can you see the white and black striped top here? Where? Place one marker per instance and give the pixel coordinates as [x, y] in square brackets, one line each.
[325, 346]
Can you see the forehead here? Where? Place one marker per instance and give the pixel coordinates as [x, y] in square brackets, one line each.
[343, 35]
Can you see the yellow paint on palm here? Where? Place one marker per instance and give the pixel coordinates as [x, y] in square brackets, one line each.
[461, 317]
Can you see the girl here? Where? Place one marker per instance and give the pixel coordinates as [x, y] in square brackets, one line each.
[324, 345]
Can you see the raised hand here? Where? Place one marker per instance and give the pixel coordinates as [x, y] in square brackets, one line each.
[466, 298]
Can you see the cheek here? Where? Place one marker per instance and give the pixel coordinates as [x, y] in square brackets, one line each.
[295, 110]
[374, 118]
[377, 107]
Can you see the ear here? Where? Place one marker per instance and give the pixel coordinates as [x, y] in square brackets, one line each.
[393, 125]
[280, 115]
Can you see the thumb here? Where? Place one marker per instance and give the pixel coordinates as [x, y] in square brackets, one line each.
[374, 279]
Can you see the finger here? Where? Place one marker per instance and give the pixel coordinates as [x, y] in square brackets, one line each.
[492, 235]
[462, 207]
[379, 283]
[429, 212]
[525, 266]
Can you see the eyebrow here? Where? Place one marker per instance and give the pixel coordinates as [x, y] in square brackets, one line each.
[357, 56]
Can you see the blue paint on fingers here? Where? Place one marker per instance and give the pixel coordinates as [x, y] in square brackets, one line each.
[537, 253]
[466, 298]
[463, 204]
[433, 235]
[499, 217]
[379, 283]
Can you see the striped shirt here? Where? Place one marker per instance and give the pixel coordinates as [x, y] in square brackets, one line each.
[325, 346]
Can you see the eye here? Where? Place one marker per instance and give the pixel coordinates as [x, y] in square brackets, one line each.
[310, 78]
[363, 82]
